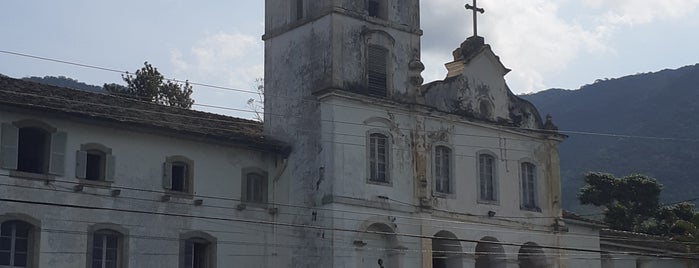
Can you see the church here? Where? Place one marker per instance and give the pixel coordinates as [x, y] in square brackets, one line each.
[358, 163]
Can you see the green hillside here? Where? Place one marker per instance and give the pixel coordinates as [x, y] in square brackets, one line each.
[655, 121]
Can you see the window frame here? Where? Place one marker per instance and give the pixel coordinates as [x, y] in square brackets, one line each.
[170, 163]
[53, 155]
[106, 165]
[198, 237]
[385, 52]
[494, 178]
[524, 191]
[450, 164]
[388, 156]
[122, 242]
[34, 236]
[244, 195]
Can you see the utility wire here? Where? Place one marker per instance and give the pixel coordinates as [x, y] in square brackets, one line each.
[347, 106]
[688, 256]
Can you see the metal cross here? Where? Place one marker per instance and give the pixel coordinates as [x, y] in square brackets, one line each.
[475, 9]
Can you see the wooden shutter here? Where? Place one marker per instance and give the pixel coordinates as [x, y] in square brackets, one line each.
[109, 162]
[57, 158]
[377, 81]
[9, 145]
[81, 164]
[167, 175]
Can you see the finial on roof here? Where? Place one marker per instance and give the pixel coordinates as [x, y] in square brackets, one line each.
[549, 125]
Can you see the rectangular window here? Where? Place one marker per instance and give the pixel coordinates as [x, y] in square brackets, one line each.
[179, 177]
[486, 174]
[178, 174]
[378, 158]
[299, 9]
[377, 78]
[529, 186]
[255, 188]
[442, 172]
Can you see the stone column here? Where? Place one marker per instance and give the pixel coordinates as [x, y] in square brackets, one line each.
[468, 261]
[511, 263]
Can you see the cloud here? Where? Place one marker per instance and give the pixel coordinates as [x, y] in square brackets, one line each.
[631, 12]
[538, 38]
[221, 58]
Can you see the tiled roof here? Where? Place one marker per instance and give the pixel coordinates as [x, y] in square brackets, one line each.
[52, 100]
[572, 216]
[641, 240]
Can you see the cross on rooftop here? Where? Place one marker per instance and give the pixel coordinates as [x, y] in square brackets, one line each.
[475, 9]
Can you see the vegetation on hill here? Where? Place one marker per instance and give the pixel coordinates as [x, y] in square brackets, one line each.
[640, 124]
[62, 81]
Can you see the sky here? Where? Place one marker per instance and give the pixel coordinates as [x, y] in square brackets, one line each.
[546, 43]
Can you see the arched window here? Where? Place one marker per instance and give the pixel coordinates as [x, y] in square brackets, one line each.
[528, 186]
[487, 177]
[378, 158]
[107, 249]
[197, 250]
[442, 169]
[16, 244]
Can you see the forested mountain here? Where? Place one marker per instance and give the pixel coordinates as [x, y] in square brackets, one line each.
[645, 123]
[62, 81]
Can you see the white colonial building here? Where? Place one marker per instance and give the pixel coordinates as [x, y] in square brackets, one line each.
[358, 164]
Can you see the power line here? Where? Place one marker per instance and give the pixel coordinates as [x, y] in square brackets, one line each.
[689, 256]
[589, 133]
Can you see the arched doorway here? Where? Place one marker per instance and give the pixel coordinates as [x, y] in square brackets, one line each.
[446, 251]
[490, 254]
[531, 256]
[381, 248]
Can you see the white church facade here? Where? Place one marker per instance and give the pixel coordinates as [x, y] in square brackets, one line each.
[358, 163]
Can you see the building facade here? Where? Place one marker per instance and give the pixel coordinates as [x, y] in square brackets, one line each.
[91, 180]
[397, 173]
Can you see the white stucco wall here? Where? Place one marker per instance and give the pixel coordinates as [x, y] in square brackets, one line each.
[153, 233]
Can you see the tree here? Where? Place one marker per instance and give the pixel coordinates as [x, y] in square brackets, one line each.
[149, 85]
[629, 201]
[631, 204]
[257, 104]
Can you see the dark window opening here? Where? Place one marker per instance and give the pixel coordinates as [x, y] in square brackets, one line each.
[196, 254]
[529, 186]
[105, 249]
[95, 166]
[179, 177]
[256, 188]
[14, 244]
[33, 151]
[486, 173]
[299, 9]
[442, 166]
[377, 74]
[378, 158]
[374, 8]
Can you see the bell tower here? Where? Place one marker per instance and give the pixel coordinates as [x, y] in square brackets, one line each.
[317, 51]
[361, 46]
